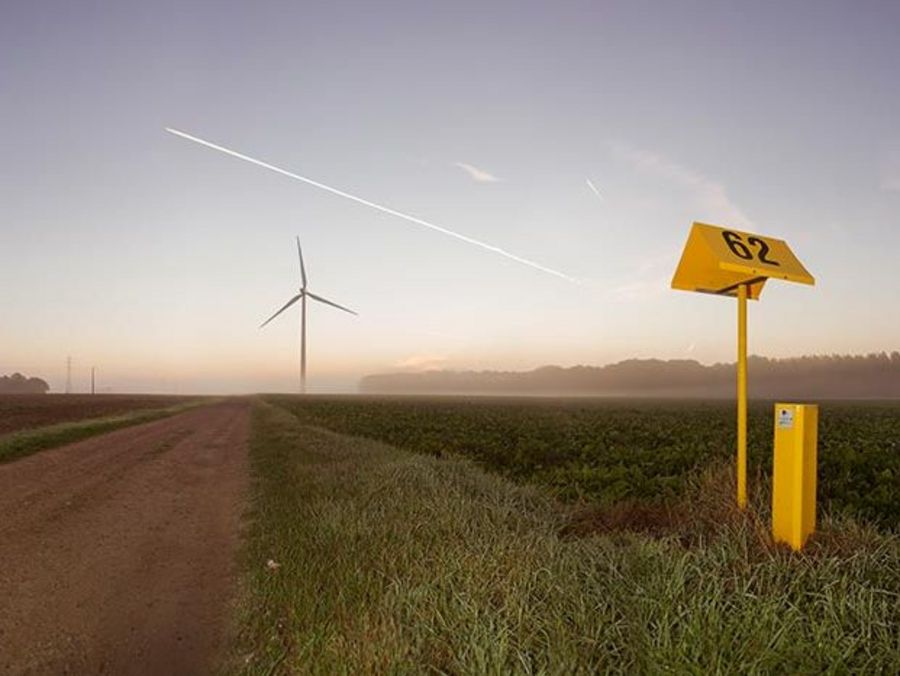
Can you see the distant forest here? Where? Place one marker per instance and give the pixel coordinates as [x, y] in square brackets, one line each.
[19, 384]
[832, 377]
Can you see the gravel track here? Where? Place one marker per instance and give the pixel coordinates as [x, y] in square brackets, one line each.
[117, 553]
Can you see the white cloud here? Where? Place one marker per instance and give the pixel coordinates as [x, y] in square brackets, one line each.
[593, 188]
[477, 174]
[709, 194]
[891, 183]
[421, 362]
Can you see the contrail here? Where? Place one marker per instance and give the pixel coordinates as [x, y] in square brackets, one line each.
[379, 207]
[594, 189]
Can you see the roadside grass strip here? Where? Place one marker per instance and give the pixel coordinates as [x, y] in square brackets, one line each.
[362, 558]
[20, 444]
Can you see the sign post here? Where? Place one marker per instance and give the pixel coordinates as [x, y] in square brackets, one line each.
[728, 262]
[742, 398]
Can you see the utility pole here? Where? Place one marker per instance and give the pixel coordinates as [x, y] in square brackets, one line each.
[93, 372]
[69, 375]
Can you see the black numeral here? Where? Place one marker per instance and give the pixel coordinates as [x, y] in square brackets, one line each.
[763, 250]
[741, 250]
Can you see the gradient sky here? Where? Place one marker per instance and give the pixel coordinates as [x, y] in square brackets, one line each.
[157, 259]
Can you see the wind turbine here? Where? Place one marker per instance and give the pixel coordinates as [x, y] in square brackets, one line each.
[302, 296]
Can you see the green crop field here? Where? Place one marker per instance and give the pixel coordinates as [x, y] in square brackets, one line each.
[610, 450]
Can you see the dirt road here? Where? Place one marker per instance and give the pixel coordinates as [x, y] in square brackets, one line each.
[117, 553]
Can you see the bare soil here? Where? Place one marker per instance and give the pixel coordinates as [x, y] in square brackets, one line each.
[26, 411]
[117, 553]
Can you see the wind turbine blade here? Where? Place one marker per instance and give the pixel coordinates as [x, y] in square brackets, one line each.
[373, 205]
[302, 267]
[328, 302]
[283, 308]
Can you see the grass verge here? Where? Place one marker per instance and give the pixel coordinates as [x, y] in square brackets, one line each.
[20, 444]
[386, 561]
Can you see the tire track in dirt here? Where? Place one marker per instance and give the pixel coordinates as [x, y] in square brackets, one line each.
[117, 553]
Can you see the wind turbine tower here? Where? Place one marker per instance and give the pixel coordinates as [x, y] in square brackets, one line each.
[303, 294]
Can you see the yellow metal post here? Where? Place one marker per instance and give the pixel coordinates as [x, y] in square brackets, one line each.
[742, 398]
[794, 473]
[729, 262]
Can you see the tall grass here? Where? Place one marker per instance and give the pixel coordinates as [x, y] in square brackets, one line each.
[390, 562]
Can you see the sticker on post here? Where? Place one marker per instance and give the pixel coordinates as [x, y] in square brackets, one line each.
[785, 418]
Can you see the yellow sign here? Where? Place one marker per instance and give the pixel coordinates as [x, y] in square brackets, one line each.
[721, 260]
[794, 473]
[729, 262]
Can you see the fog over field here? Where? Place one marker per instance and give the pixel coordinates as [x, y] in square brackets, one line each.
[834, 377]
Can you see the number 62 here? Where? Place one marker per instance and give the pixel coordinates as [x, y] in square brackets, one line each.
[736, 243]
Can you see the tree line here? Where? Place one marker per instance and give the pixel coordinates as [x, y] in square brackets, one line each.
[19, 384]
[875, 375]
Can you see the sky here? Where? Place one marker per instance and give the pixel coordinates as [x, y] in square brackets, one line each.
[585, 136]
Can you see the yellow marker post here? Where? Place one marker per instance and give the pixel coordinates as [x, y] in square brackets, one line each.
[794, 473]
[742, 398]
[733, 263]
